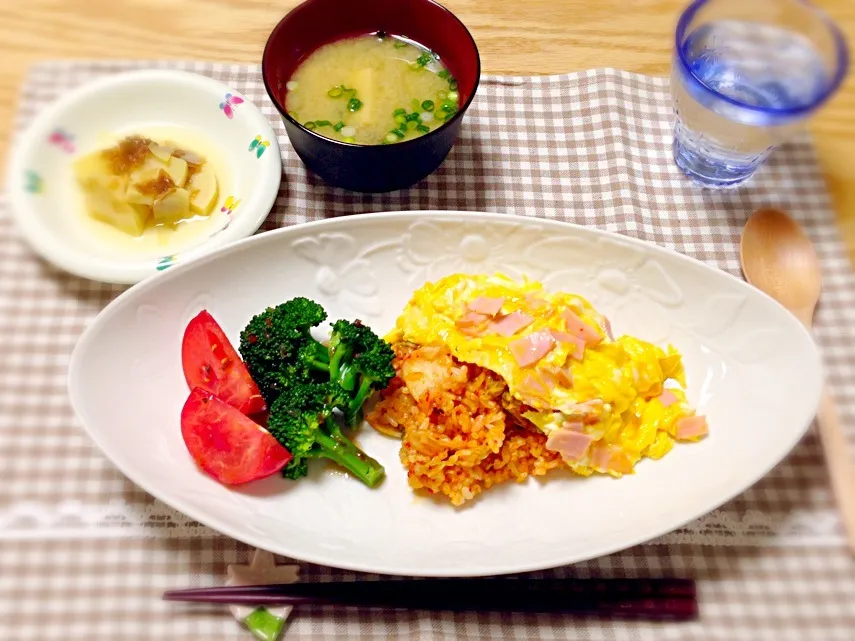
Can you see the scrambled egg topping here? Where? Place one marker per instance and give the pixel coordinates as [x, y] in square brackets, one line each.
[604, 403]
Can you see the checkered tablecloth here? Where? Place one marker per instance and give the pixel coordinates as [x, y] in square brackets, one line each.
[84, 554]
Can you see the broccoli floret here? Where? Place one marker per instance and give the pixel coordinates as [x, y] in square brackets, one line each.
[302, 420]
[360, 363]
[277, 345]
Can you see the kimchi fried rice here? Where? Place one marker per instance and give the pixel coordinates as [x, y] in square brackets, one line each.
[461, 430]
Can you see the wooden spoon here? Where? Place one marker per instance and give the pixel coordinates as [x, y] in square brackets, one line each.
[779, 259]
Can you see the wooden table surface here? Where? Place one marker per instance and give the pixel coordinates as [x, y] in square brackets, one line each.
[531, 37]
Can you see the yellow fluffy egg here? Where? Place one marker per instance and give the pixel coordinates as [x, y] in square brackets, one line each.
[558, 358]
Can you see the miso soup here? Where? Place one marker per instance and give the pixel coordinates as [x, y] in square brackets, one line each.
[375, 89]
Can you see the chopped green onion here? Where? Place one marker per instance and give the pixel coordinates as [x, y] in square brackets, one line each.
[442, 95]
[416, 104]
[423, 128]
[354, 104]
[453, 95]
[401, 118]
[399, 133]
[400, 44]
[390, 137]
[449, 106]
[426, 116]
[427, 105]
[452, 84]
[322, 123]
[399, 111]
[338, 126]
[310, 125]
[335, 92]
[424, 59]
[442, 114]
[412, 124]
[345, 89]
[443, 73]
[350, 139]
[413, 117]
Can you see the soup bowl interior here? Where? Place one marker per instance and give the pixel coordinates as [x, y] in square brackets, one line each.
[318, 22]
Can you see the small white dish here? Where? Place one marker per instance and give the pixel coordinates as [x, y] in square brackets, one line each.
[203, 114]
[751, 368]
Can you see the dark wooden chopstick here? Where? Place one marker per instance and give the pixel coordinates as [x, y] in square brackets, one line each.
[652, 599]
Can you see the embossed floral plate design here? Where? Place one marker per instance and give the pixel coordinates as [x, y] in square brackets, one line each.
[752, 369]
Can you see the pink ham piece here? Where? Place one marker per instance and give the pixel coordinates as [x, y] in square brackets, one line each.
[573, 426]
[589, 411]
[562, 375]
[577, 345]
[548, 378]
[572, 445]
[527, 351]
[487, 306]
[667, 398]
[611, 459]
[607, 325]
[581, 329]
[510, 324]
[472, 323]
[600, 458]
[472, 318]
[531, 385]
[691, 427]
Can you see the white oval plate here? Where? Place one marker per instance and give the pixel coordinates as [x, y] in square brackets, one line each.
[752, 369]
[196, 110]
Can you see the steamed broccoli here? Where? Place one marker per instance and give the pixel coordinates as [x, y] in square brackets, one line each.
[278, 348]
[309, 386]
[360, 362]
[277, 345]
[302, 420]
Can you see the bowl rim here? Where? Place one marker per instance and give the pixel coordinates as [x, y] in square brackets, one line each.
[70, 258]
[352, 145]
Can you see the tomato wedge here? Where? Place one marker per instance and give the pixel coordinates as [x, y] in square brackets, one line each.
[211, 363]
[226, 444]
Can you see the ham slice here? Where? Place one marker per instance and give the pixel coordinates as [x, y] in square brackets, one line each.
[573, 426]
[531, 385]
[572, 445]
[511, 323]
[577, 345]
[485, 305]
[667, 398]
[472, 324]
[692, 427]
[607, 325]
[527, 351]
[589, 411]
[580, 328]
[607, 458]
[472, 318]
[548, 378]
[600, 458]
[558, 375]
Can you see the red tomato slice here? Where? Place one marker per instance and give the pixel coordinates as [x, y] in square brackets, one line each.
[226, 444]
[210, 362]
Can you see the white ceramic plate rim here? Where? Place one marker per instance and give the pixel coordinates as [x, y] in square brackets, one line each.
[812, 392]
[255, 207]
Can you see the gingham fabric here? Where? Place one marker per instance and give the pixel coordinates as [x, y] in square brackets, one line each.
[85, 554]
